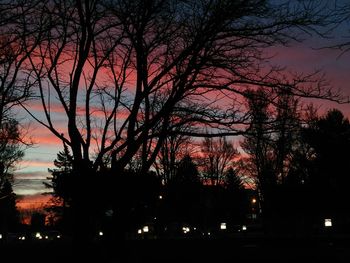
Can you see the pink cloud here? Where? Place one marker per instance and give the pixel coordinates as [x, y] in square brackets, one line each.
[37, 106]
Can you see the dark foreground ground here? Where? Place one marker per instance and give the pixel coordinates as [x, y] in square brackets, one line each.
[240, 249]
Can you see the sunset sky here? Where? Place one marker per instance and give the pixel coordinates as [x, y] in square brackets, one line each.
[304, 57]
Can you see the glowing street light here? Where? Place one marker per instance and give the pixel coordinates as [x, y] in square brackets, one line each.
[160, 197]
[254, 201]
[145, 229]
[100, 233]
[244, 228]
[139, 231]
[0, 236]
[185, 229]
[328, 222]
[223, 226]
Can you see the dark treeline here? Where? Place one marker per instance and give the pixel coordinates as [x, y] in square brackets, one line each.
[135, 81]
[223, 185]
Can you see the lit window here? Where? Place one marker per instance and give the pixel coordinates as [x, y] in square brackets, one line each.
[223, 226]
[328, 222]
[145, 229]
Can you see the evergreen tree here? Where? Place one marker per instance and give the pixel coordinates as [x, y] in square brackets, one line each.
[9, 216]
[236, 199]
[61, 183]
[329, 138]
[183, 193]
[187, 172]
[61, 175]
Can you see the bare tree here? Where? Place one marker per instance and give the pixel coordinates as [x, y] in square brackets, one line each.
[19, 36]
[273, 145]
[217, 158]
[342, 9]
[175, 147]
[170, 63]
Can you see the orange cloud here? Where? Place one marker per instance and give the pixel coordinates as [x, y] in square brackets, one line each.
[32, 202]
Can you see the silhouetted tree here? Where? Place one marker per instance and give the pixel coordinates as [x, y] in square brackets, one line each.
[182, 194]
[257, 143]
[342, 44]
[18, 39]
[61, 184]
[11, 147]
[286, 134]
[20, 33]
[9, 215]
[126, 73]
[37, 221]
[10, 153]
[237, 203]
[174, 148]
[179, 52]
[14, 83]
[232, 181]
[272, 143]
[217, 157]
[61, 175]
[329, 138]
[137, 197]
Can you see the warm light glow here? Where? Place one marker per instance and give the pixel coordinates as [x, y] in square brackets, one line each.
[58, 236]
[46, 237]
[0, 236]
[139, 231]
[253, 201]
[37, 235]
[223, 226]
[145, 229]
[160, 197]
[185, 229]
[244, 227]
[100, 233]
[328, 222]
